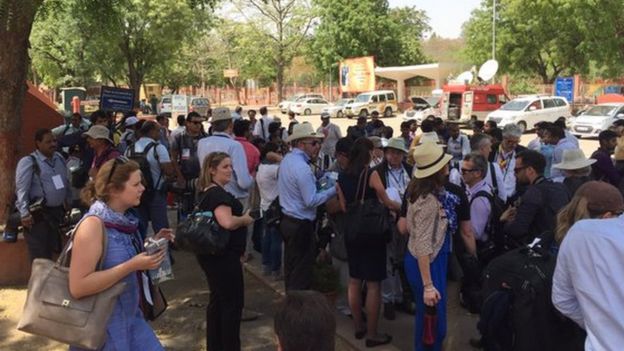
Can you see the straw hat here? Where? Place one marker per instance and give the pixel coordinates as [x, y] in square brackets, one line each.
[574, 159]
[221, 114]
[303, 130]
[428, 159]
[98, 132]
[397, 144]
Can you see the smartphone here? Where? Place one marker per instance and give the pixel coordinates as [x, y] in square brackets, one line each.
[153, 246]
[255, 214]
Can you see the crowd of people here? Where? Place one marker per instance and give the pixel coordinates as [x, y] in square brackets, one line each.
[443, 201]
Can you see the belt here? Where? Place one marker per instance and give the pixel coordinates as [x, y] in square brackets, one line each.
[296, 219]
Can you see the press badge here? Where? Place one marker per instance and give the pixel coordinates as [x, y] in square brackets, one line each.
[186, 154]
[58, 182]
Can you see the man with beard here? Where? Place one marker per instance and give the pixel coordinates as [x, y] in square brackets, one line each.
[536, 211]
[604, 169]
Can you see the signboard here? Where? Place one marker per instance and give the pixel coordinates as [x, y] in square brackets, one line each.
[357, 74]
[179, 105]
[564, 87]
[116, 99]
[230, 73]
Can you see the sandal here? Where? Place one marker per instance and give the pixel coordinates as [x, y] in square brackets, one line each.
[384, 339]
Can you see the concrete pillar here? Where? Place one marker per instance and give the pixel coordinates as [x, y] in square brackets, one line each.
[401, 90]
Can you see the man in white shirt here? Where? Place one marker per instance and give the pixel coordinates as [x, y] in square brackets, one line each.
[587, 286]
[332, 134]
[261, 128]
[457, 145]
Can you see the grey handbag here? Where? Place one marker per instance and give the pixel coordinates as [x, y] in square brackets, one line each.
[51, 311]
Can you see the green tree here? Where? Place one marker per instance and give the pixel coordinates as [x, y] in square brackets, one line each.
[283, 26]
[367, 28]
[532, 37]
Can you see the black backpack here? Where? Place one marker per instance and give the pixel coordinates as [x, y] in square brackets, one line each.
[144, 165]
[493, 228]
[517, 313]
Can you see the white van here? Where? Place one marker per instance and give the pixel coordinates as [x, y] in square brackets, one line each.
[596, 119]
[382, 101]
[526, 111]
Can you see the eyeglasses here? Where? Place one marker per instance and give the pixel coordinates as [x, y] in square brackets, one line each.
[118, 160]
[518, 169]
[464, 170]
[313, 143]
[195, 122]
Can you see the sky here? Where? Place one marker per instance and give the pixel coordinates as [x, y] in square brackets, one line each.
[445, 16]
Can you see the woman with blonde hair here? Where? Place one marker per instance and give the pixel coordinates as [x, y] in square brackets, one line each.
[223, 272]
[116, 189]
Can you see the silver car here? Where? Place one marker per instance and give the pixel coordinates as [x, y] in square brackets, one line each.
[337, 109]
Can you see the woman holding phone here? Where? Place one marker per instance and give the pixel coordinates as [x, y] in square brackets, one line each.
[223, 272]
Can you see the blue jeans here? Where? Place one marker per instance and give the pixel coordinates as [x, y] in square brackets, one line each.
[271, 247]
[438, 270]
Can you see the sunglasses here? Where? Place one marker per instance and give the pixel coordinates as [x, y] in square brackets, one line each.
[118, 160]
[518, 169]
[464, 170]
[313, 143]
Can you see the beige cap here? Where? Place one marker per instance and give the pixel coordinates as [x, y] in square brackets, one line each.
[98, 132]
[221, 114]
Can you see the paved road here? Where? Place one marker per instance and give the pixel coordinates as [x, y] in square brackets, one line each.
[587, 145]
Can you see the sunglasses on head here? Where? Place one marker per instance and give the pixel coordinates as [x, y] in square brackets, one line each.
[118, 160]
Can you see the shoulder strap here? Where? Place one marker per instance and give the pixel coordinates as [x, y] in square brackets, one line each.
[66, 129]
[35, 165]
[482, 193]
[494, 180]
[63, 259]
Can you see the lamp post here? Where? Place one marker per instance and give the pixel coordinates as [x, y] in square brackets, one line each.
[493, 29]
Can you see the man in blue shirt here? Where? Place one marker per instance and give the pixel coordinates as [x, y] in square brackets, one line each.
[299, 200]
[43, 192]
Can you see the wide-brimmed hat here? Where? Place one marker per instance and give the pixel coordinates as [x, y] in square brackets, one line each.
[98, 132]
[601, 197]
[397, 144]
[574, 159]
[303, 130]
[428, 159]
[221, 114]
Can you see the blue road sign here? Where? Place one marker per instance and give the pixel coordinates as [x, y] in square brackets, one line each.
[116, 99]
[564, 87]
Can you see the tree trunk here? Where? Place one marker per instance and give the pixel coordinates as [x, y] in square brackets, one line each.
[16, 19]
[280, 80]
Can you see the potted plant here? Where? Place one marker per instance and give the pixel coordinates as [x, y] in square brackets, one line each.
[326, 280]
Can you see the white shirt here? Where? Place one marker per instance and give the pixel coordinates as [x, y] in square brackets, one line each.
[332, 134]
[266, 177]
[587, 284]
[261, 132]
[458, 147]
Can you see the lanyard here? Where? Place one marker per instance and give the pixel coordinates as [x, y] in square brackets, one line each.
[400, 181]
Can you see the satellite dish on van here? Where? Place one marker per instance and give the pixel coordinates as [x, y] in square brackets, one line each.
[488, 70]
[465, 76]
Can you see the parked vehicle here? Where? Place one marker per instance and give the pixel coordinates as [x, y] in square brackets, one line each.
[525, 111]
[200, 105]
[596, 119]
[164, 105]
[284, 106]
[423, 107]
[382, 101]
[465, 103]
[309, 106]
[337, 109]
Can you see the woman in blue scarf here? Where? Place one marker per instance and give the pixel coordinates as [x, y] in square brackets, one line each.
[117, 188]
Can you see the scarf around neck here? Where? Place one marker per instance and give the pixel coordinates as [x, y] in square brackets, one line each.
[126, 223]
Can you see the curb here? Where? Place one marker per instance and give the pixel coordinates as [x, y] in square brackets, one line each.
[344, 327]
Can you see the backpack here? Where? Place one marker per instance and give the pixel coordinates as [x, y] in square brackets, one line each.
[493, 228]
[517, 313]
[144, 165]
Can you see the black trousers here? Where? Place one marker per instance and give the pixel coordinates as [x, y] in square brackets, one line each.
[44, 237]
[299, 252]
[227, 297]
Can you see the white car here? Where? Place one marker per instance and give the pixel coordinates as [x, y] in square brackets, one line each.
[423, 108]
[596, 119]
[309, 106]
[164, 105]
[526, 111]
[284, 106]
[337, 109]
